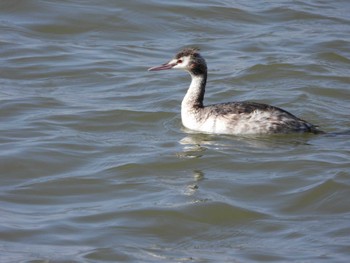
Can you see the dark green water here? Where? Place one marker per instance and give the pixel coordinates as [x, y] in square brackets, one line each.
[95, 165]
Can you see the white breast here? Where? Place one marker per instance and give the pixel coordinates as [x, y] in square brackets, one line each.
[252, 123]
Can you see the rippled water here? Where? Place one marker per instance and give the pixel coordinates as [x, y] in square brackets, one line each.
[95, 165]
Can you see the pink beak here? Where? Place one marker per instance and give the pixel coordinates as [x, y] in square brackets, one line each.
[162, 67]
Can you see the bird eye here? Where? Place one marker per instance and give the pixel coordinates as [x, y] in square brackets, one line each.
[179, 61]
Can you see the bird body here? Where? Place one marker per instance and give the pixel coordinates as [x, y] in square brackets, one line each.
[232, 117]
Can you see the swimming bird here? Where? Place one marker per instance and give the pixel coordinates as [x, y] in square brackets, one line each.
[237, 118]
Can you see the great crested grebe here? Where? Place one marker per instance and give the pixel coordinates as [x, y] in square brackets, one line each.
[232, 117]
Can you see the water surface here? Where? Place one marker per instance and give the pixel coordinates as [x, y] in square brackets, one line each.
[95, 165]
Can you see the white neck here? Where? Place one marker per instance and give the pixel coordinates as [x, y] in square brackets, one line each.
[192, 104]
[195, 93]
